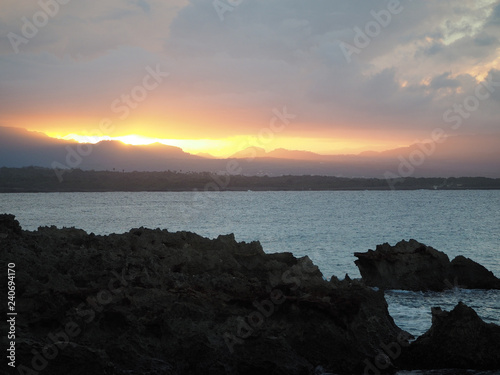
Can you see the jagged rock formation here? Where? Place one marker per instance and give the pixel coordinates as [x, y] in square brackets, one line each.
[155, 302]
[457, 339]
[411, 265]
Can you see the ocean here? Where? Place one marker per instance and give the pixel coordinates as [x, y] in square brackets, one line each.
[326, 226]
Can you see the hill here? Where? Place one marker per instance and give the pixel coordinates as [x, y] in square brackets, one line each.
[457, 156]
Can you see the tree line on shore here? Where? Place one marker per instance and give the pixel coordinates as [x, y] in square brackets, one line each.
[36, 179]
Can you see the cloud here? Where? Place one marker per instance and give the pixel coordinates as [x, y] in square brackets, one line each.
[261, 55]
[485, 40]
[144, 5]
[444, 81]
[494, 19]
[82, 31]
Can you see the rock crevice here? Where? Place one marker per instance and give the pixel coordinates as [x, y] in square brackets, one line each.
[457, 339]
[156, 302]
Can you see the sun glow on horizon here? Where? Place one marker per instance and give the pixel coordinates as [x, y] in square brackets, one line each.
[222, 148]
[193, 146]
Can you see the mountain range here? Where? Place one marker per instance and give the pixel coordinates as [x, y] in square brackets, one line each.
[473, 155]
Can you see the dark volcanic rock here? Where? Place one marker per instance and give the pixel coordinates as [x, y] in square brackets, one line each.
[407, 265]
[411, 265]
[155, 302]
[457, 339]
[9, 225]
[472, 275]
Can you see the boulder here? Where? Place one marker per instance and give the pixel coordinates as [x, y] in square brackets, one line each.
[408, 265]
[411, 265]
[471, 275]
[155, 302]
[457, 339]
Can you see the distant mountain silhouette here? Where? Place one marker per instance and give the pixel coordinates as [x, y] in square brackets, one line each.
[279, 153]
[457, 156]
[249, 153]
[206, 155]
[282, 153]
[19, 147]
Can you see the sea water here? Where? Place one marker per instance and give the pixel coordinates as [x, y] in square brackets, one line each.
[327, 226]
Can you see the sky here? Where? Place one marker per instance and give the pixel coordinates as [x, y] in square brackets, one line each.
[326, 76]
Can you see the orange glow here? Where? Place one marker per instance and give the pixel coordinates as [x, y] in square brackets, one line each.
[228, 146]
[480, 72]
[220, 133]
[188, 145]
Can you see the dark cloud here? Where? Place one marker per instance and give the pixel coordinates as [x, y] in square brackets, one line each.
[495, 16]
[444, 81]
[434, 49]
[261, 54]
[486, 40]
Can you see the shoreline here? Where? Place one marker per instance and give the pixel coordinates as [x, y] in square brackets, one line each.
[35, 180]
[232, 190]
[181, 303]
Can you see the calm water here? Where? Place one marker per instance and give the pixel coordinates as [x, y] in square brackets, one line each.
[327, 226]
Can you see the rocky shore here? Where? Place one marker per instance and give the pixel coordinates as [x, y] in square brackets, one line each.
[457, 339]
[154, 302]
[411, 265]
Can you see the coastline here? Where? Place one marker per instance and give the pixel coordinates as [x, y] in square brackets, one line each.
[35, 179]
[178, 299]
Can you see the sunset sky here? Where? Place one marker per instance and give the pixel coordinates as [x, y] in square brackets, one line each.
[218, 76]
